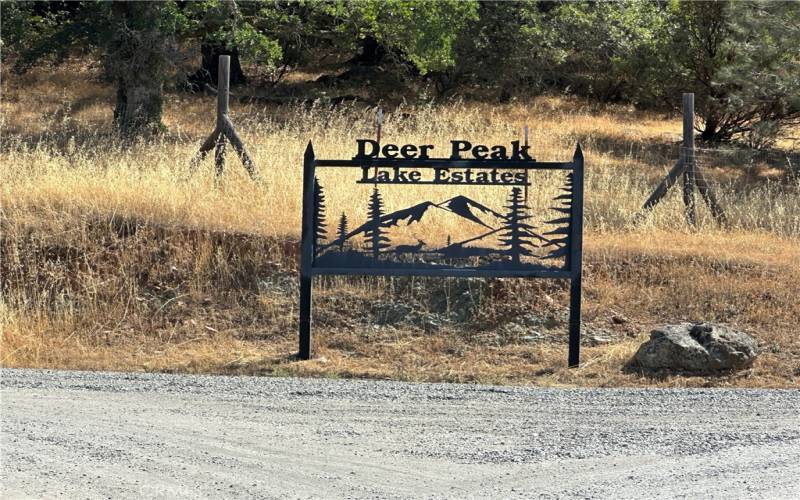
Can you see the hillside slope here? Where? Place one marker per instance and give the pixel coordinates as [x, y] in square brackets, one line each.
[115, 257]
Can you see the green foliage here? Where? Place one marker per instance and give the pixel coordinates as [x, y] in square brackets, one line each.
[605, 45]
[257, 47]
[498, 49]
[588, 48]
[741, 60]
[245, 25]
[132, 39]
[424, 32]
[34, 33]
[760, 86]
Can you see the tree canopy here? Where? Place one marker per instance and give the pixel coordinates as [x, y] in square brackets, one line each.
[741, 59]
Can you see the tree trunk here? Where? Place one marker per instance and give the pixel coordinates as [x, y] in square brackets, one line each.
[372, 52]
[137, 59]
[139, 106]
[211, 53]
[709, 132]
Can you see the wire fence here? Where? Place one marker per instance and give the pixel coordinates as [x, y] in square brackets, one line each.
[782, 162]
[751, 159]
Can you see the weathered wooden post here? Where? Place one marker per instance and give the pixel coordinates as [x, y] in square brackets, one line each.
[224, 128]
[223, 100]
[687, 155]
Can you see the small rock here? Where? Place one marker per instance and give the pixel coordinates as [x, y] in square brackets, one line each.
[530, 320]
[513, 330]
[594, 340]
[533, 336]
[619, 319]
[699, 348]
[592, 335]
[390, 313]
[554, 321]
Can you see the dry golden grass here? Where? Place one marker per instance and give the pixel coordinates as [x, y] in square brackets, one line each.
[114, 258]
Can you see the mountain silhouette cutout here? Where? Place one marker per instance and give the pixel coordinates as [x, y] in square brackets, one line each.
[477, 226]
[461, 207]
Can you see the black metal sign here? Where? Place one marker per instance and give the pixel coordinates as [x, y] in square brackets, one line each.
[509, 238]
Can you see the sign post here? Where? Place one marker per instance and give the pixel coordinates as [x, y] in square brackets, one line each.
[508, 240]
[576, 260]
[306, 253]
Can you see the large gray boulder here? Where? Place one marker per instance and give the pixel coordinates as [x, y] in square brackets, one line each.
[699, 348]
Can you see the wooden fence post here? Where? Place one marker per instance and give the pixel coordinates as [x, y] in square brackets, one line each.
[223, 92]
[687, 155]
[224, 128]
[223, 88]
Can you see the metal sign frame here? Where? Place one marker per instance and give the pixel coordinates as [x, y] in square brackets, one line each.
[569, 244]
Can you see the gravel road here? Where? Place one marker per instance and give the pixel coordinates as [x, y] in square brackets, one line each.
[113, 435]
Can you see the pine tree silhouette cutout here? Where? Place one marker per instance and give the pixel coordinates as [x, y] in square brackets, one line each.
[516, 235]
[319, 215]
[375, 235]
[342, 230]
[561, 234]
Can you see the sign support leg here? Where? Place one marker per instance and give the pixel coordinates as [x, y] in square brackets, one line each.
[305, 318]
[575, 259]
[306, 253]
[574, 322]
